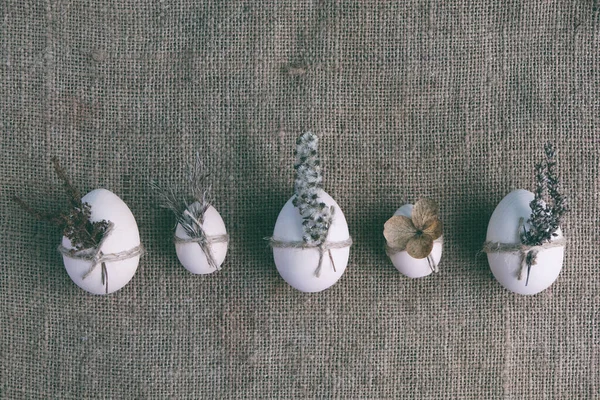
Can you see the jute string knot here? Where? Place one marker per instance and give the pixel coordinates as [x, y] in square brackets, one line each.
[97, 257]
[323, 248]
[205, 243]
[528, 254]
[390, 251]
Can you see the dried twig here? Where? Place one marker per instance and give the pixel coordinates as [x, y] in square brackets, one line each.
[187, 204]
[74, 223]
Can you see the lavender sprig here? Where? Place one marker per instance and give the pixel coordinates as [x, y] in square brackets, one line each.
[545, 216]
[317, 216]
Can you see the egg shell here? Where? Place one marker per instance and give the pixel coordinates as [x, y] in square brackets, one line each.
[297, 266]
[414, 267]
[105, 205]
[503, 228]
[191, 255]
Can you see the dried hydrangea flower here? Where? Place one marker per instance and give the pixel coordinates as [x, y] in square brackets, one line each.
[417, 234]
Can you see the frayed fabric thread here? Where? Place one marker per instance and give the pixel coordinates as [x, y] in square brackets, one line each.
[390, 251]
[97, 257]
[527, 253]
[204, 242]
[323, 248]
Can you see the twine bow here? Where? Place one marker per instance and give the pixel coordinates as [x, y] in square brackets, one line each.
[204, 242]
[390, 251]
[528, 254]
[97, 257]
[323, 248]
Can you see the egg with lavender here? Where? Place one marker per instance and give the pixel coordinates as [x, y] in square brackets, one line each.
[311, 242]
[507, 222]
[310, 269]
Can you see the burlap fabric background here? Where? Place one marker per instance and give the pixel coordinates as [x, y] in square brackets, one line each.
[451, 100]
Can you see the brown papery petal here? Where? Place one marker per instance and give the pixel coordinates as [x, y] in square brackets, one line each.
[419, 246]
[423, 212]
[398, 230]
[434, 229]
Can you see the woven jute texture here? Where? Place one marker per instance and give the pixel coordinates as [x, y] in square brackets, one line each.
[451, 100]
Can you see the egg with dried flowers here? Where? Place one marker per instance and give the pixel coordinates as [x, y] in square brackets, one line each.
[510, 268]
[101, 245]
[310, 269]
[205, 255]
[201, 240]
[524, 243]
[112, 264]
[311, 242]
[414, 238]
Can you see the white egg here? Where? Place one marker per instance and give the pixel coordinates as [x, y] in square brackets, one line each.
[503, 228]
[414, 267]
[191, 255]
[297, 266]
[124, 236]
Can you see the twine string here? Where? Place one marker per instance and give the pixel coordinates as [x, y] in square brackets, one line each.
[432, 264]
[97, 257]
[323, 248]
[205, 243]
[528, 254]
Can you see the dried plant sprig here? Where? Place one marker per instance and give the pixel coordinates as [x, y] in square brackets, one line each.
[317, 216]
[72, 192]
[74, 223]
[545, 216]
[190, 203]
[199, 189]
